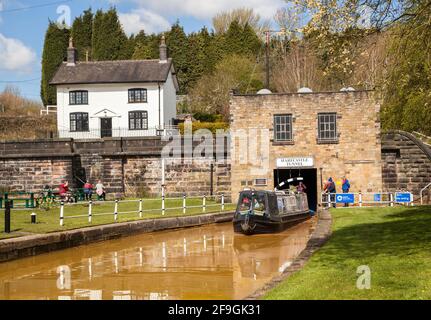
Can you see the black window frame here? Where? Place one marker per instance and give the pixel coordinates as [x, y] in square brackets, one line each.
[287, 125]
[79, 117]
[327, 130]
[132, 96]
[82, 94]
[142, 120]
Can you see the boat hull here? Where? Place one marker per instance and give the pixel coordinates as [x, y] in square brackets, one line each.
[253, 224]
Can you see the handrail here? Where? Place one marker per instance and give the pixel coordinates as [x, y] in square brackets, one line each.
[422, 190]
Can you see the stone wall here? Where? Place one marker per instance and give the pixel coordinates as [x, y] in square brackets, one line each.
[406, 163]
[356, 153]
[31, 175]
[129, 166]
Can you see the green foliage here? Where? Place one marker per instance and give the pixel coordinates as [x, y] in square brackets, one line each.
[407, 91]
[54, 53]
[82, 31]
[211, 92]
[208, 117]
[241, 40]
[211, 126]
[109, 40]
[146, 46]
[178, 50]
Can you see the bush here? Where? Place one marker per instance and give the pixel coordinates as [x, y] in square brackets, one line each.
[208, 117]
[211, 126]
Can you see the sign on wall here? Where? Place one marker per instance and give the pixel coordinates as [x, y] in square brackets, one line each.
[345, 198]
[295, 162]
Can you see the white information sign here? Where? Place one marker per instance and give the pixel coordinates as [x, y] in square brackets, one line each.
[295, 162]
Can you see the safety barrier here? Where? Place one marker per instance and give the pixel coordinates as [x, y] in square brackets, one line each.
[18, 199]
[367, 198]
[140, 207]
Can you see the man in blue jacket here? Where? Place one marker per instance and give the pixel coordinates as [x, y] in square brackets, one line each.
[346, 188]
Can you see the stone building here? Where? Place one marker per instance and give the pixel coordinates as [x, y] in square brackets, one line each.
[313, 135]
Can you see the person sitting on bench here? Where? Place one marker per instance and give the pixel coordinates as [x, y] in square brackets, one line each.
[100, 190]
[88, 190]
[63, 191]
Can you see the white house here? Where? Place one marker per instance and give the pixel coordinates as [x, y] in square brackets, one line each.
[100, 99]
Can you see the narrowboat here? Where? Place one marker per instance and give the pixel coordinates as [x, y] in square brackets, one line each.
[269, 211]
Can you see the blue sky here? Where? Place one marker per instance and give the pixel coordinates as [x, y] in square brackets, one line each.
[23, 24]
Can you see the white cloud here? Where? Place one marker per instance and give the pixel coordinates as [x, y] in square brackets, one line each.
[206, 9]
[14, 55]
[142, 19]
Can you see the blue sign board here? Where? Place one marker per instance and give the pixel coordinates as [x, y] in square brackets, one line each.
[345, 198]
[403, 197]
[377, 197]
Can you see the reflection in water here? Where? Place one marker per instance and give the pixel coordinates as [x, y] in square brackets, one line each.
[209, 262]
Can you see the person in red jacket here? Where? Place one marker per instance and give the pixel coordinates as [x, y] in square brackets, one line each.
[63, 189]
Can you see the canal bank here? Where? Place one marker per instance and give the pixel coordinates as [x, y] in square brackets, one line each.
[15, 248]
[374, 253]
[318, 238]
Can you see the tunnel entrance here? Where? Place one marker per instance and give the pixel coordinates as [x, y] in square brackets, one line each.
[310, 181]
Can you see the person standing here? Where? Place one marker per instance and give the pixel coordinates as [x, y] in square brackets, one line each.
[301, 187]
[332, 190]
[100, 190]
[346, 188]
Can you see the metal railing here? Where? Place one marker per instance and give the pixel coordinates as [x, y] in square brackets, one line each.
[119, 132]
[48, 110]
[140, 207]
[361, 199]
[422, 191]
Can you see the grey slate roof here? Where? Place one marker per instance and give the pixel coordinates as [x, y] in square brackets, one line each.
[122, 71]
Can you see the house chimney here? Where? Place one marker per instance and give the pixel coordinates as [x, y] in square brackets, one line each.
[72, 54]
[163, 51]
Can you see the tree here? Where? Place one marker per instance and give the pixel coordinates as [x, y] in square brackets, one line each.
[241, 40]
[211, 92]
[109, 40]
[54, 53]
[177, 43]
[407, 87]
[244, 16]
[146, 46]
[82, 33]
[297, 68]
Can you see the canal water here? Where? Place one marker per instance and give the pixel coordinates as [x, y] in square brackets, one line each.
[209, 262]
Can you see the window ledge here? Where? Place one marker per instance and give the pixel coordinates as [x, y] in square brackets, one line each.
[327, 141]
[282, 143]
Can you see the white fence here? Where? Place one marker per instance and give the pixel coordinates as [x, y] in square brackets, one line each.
[140, 207]
[366, 199]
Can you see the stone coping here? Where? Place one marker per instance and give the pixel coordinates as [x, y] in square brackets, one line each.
[320, 235]
[15, 248]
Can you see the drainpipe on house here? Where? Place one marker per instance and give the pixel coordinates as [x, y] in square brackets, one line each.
[160, 116]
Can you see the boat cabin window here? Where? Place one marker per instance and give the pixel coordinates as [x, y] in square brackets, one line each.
[273, 204]
[259, 203]
[245, 201]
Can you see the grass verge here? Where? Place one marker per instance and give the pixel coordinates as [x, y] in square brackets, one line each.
[395, 243]
[103, 213]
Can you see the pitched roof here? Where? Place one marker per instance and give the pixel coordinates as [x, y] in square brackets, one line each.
[121, 71]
